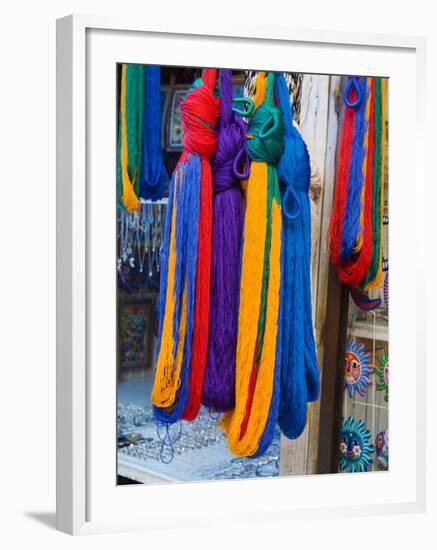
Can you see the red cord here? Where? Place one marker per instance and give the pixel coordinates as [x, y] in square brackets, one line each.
[341, 181]
[200, 111]
[353, 272]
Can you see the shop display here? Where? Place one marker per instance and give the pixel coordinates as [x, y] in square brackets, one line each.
[138, 443]
[139, 241]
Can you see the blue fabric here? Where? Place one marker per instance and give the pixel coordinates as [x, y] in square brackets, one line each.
[299, 380]
[185, 193]
[351, 220]
[154, 177]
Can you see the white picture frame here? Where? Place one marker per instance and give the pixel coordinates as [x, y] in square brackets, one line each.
[87, 497]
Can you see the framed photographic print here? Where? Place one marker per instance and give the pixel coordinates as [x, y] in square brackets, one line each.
[224, 329]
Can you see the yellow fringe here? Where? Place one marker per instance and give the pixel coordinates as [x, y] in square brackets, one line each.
[166, 377]
[130, 199]
[377, 281]
[250, 293]
[248, 445]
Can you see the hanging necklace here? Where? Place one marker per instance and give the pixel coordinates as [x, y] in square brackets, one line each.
[141, 237]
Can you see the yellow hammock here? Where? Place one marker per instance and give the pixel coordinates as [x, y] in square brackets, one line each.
[262, 189]
[129, 197]
[377, 281]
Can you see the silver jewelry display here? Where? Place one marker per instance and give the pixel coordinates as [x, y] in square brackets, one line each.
[138, 440]
[139, 235]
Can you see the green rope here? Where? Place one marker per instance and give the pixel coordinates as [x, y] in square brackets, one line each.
[274, 144]
[376, 187]
[134, 123]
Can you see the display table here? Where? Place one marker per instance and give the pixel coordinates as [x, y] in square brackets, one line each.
[200, 452]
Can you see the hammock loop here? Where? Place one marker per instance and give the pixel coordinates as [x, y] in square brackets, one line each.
[294, 166]
[352, 84]
[290, 215]
[167, 442]
[267, 131]
[243, 112]
[242, 154]
[214, 415]
[270, 126]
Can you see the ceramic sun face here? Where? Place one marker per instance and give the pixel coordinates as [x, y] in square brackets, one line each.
[382, 371]
[381, 450]
[355, 449]
[357, 370]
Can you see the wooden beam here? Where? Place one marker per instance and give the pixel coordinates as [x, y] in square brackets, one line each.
[331, 401]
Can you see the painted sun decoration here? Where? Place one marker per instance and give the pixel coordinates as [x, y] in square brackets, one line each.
[355, 449]
[357, 369]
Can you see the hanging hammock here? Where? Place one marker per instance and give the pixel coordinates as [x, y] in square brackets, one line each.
[130, 135]
[219, 382]
[356, 221]
[299, 369]
[186, 262]
[354, 269]
[154, 177]
[374, 275]
[259, 280]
